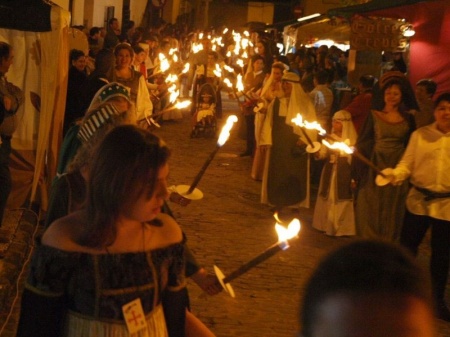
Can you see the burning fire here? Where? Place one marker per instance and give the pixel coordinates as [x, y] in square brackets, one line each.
[239, 84]
[285, 234]
[308, 125]
[225, 133]
[343, 146]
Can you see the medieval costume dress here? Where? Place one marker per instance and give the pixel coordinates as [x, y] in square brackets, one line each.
[286, 172]
[78, 294]
[379, 210]
[333, 212]
[139, 94]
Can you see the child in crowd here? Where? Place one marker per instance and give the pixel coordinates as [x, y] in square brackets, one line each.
[333, 213]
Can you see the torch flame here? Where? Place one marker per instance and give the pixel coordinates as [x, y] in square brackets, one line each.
[239, 84]
[228, 68]
[182, 105]
[171, 78]
[174, 93]
[217, 71]
[285, 234]
[308, 125]
[228, 82]
[186, 68]
[225, 133]
[343, 146]
[164, 62]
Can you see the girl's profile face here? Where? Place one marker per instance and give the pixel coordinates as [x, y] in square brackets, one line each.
[146, 207]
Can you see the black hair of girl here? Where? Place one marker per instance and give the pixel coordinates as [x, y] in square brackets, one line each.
[5, 50]
[124, 165]
[442, 97]
[75, 54]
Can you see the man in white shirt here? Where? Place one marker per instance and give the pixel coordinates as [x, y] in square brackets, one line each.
[426, 162]
[322, 98]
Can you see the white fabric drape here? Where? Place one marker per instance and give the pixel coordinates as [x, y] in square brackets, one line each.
[40, 69]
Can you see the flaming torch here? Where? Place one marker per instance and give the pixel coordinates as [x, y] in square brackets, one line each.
[312, 146]
[351, 150]
[341, 145]
[191, 192]
[284, 235]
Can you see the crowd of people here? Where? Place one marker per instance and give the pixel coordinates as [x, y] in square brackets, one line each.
[112, 249]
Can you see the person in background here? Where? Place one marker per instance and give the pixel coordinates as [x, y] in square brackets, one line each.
[424, 91]
[271, 89]
[361, 104]
[75, 100]
[426, 162]
[11, 97]
[379, 210]
[322, 99]
[253, 82]
[112, 38]
[93, 40]
[139, 60]
[133, 80]
[128, 31]
[119, 258]
[333, 212]
[286, 173]
[367, 288]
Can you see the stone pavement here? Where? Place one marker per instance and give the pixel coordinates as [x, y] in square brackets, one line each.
[226, 228]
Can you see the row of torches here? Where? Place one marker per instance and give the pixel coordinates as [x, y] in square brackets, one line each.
[285, 234]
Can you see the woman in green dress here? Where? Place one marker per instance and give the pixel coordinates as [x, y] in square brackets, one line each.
[379, 210]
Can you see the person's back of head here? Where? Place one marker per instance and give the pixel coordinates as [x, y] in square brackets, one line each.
[429, 85]
[367, 81]
[321, 77]
[94, 31]
[368, 288]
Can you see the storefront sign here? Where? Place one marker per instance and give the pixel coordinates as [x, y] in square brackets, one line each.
[377, 34]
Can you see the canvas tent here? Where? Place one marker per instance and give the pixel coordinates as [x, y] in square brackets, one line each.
[38, 33]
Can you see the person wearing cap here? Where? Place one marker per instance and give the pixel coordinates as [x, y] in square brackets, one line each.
[114, 92]
[68, 189]
[286, 173]
[426, 163]
[333, 213]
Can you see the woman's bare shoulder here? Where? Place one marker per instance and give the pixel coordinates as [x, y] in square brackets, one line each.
[63, 232]
[170, 232]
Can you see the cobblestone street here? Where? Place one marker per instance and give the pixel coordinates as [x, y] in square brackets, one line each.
[228, 227]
